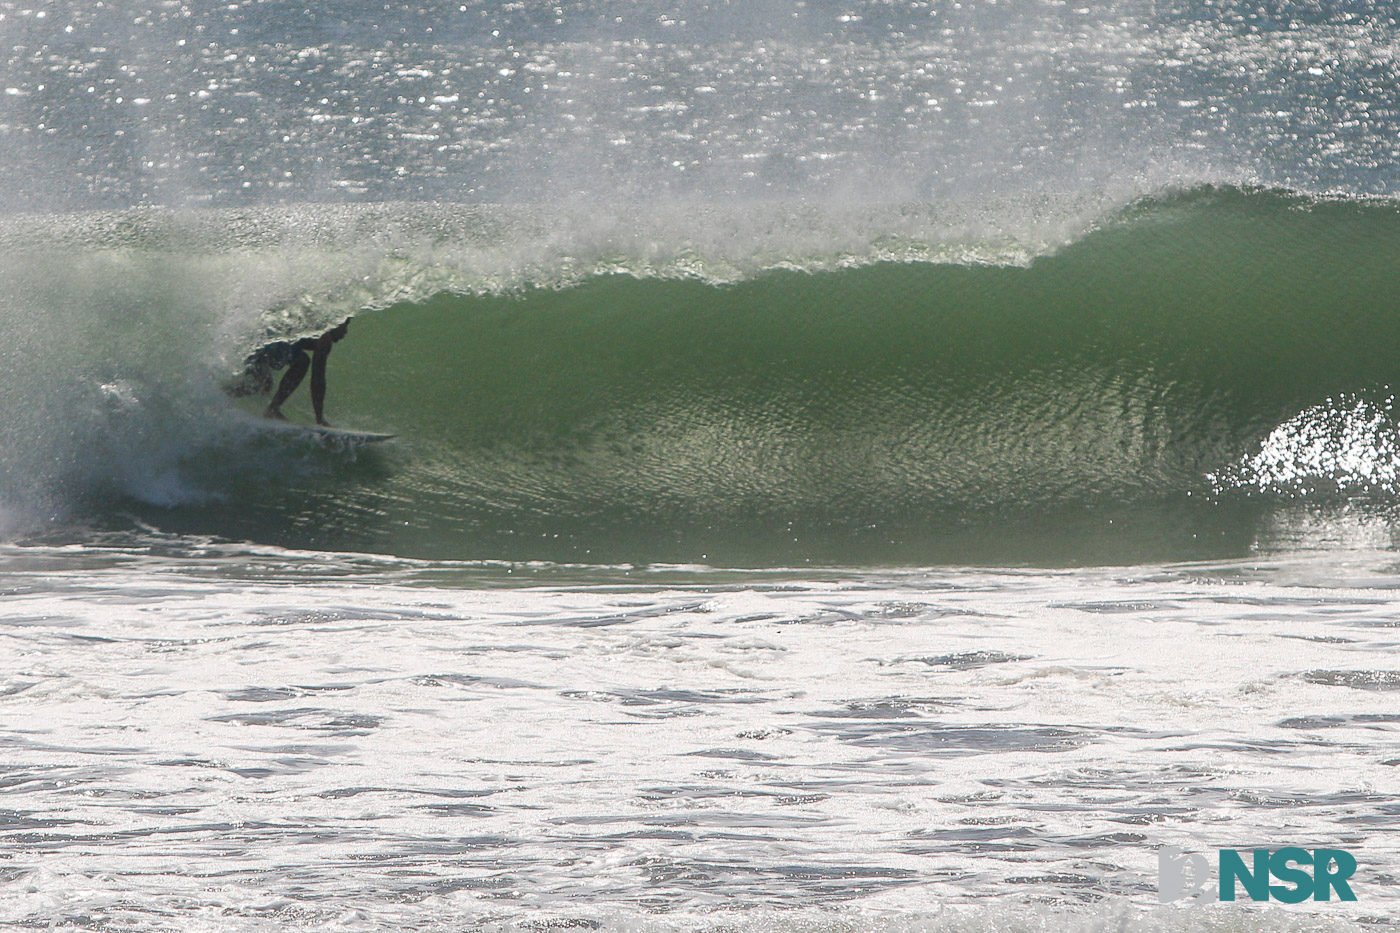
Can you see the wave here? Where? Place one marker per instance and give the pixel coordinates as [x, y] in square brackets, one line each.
[1086, 386]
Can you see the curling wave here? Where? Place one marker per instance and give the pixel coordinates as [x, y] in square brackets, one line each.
[1107, 399]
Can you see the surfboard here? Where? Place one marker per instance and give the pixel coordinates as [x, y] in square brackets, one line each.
[344, 435]
[336, 436]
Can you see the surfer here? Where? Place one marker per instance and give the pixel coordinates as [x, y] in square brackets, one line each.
[296, 356]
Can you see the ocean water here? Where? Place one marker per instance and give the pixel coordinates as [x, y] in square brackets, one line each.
[859, 466]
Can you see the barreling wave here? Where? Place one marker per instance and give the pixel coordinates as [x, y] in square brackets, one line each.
[1101, 389]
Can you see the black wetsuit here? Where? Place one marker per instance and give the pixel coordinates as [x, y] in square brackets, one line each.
[256, 378]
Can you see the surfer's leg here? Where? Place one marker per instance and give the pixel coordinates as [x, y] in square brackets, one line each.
[295, 373]
[318, 382]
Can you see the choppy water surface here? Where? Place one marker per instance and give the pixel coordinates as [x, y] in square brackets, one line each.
[611, 103]
[229, 738]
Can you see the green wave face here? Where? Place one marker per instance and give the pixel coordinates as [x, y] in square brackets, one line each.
[1083, 408]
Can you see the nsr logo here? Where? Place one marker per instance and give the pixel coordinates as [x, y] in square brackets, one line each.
[1188, 876]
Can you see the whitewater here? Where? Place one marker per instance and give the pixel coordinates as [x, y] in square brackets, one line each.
[857, 466]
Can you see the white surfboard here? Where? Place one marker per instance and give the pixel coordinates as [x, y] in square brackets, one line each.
[343, 435]
[338, 436]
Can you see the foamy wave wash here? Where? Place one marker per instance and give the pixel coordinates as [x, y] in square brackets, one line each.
[106, 371]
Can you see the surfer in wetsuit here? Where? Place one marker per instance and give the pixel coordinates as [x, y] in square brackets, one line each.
[291, 355]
